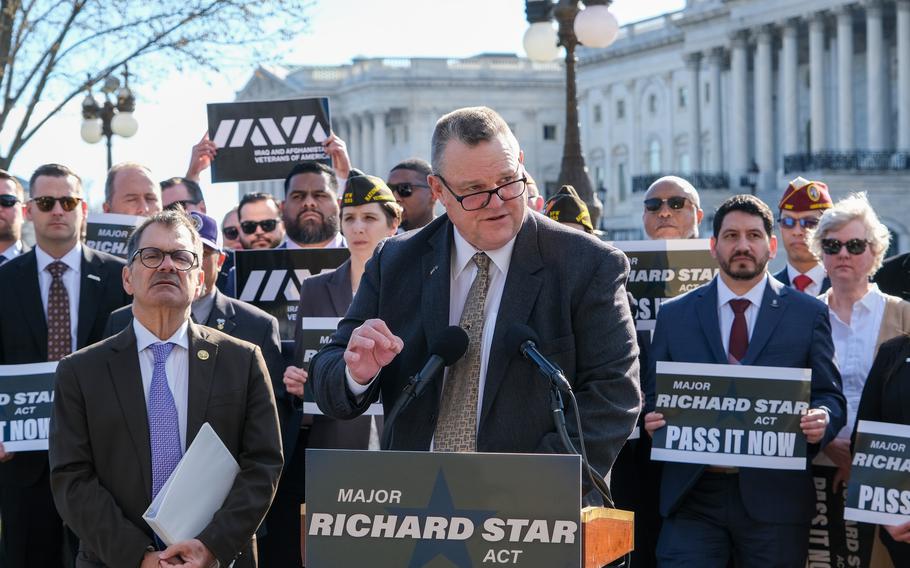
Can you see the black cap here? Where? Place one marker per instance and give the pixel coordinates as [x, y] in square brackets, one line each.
[567, 207]
[361, 189]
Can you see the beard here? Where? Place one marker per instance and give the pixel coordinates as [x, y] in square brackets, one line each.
[312, 232]
[744, 273]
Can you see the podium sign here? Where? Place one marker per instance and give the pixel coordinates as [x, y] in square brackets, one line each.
[422, 508]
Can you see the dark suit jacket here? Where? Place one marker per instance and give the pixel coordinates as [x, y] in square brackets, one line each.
[894, 276]
[328, 295]
[242, 321]
[886, 394]
[23, 327]
[575, 302]
[100, 456]
[784, 277]
[792, 330]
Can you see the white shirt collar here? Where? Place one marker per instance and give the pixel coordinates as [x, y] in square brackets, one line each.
[72, 259]
[870, 302]
[13, 250]
[816, 273]
[144, 337]
[725, 294]
[465, 251]
[337, 242]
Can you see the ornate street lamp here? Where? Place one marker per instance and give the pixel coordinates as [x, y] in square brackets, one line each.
[594, 26]
[113, 116]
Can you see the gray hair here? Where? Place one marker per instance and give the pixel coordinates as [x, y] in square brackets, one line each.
[683, 184]
[112, 173]
[470, 126]
[171, 219]
[854, 207]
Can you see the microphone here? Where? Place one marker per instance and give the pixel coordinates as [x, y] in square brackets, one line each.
[447, 348]
[523, 339]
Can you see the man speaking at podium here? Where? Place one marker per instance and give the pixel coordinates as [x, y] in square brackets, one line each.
[125, 410]
[486, 265]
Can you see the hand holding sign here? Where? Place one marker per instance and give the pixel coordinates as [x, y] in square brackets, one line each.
[653, 422]
[201, 157]
[900, 533]
[372, 346]
[813, 424]
[4, 455]
[294, 379]
[338, 151]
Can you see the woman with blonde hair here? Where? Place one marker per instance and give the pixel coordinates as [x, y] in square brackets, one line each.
[851, 241]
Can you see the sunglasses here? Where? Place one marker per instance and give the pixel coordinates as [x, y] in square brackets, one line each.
[854, 246]
[249, 227]
[805, 222]
[7, 200]
[405, 189]
[46, 203]
[655, 203]
[231, 233]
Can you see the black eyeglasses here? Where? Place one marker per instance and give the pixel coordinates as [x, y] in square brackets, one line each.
[46, 203]
[178, 205]
[805, 222]
[231, 233]
[7, 200]
[152, 257]
[480, 199]
[655, 203]
[249, 227]
[405, 189]
[854, 246]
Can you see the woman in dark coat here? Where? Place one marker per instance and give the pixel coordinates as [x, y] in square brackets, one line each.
[886, 398]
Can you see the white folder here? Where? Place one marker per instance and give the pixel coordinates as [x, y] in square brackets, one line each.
[195, 490]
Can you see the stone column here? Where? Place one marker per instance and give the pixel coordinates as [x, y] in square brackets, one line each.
[380, 168]
[817, 82]
[764, 116]
[693, 62]
[366, 137]
[903, 75]
[739, 120]
[355, 150]
[789, 77]
[715, 111]
[845, 79]
[875, 76]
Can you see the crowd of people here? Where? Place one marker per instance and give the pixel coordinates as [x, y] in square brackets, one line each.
[153, 345]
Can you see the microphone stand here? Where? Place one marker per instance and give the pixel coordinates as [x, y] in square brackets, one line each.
[409, 393]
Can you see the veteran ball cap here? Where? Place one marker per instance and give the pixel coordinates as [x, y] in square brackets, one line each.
[567, 207]
[361, 189]
[207, 229]
[804, 195]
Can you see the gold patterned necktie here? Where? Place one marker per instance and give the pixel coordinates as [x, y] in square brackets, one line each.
[456, 430]
[59, 335]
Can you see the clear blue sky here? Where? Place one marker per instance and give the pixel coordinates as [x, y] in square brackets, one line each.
[171, 114]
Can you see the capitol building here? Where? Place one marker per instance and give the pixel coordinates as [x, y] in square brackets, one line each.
[736, 95]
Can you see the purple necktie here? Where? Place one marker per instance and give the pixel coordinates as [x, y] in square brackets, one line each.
[164, 429]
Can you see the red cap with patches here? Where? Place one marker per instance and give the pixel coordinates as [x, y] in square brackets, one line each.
[804, 195]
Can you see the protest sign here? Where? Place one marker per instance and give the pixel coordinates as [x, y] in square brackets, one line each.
[270, 279]
[879, 488]
[110, 232]
[731, 415]
[834, 541]
[663, 269]
[26, 400]
[262, 140]
[312, 334]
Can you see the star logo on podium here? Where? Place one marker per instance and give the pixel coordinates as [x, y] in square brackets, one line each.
[441, 505]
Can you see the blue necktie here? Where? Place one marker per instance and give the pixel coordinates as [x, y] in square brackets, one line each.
[164, 428]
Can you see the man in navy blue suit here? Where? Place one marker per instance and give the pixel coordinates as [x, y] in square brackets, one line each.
[759, 517]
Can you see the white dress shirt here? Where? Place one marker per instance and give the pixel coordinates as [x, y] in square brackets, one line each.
[337, 242]
[176, 367]
[12, 251]
[725, 312]
[462, 271]
[817, 274]
[71, 281]
[854, 347]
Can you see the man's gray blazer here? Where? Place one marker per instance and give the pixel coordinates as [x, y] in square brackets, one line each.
[567, 286]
